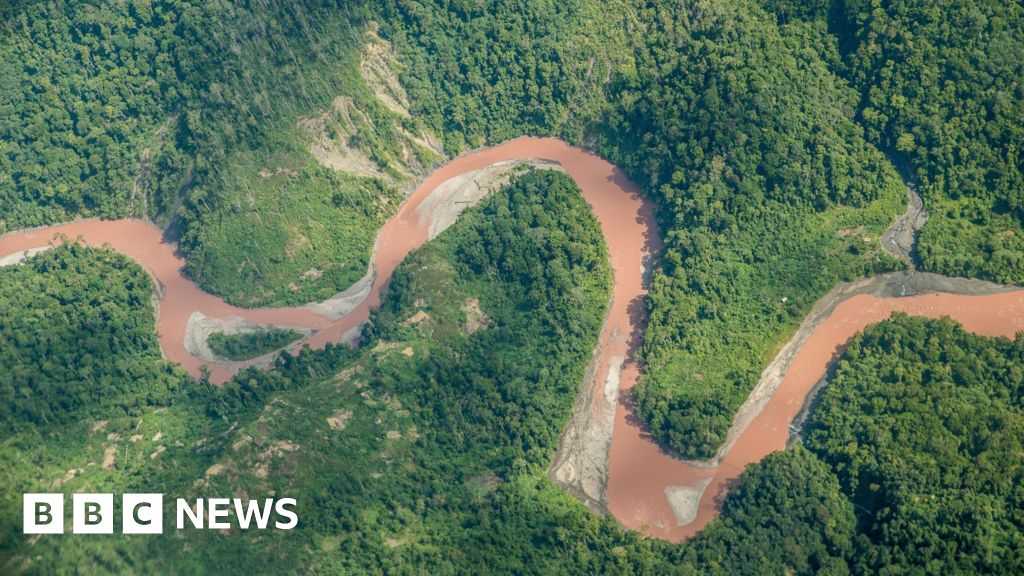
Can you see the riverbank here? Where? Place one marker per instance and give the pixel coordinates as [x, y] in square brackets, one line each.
[606, 458]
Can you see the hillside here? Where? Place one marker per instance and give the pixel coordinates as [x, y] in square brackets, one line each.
[437, 446]
[939, 90]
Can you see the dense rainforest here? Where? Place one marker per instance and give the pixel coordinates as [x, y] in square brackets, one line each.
[273, 139]
[438, 447]
[78, 339]
[768, 193]
[205, 116]
[939, 89]
[923, 424]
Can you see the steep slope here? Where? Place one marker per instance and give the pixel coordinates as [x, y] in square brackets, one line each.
[768, 192]
[245, 128]
[940, 91]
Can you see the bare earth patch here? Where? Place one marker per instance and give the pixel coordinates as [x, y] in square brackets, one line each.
[417, 319]
[476, 319]
[685, 501]
[447, 201]
[900, 237]
[342, 303]
[581, 463]
[109, 457]
[338, 420]
[379, 69]
[215, 470]
[20, 257]
[333, 150]
[68, 476]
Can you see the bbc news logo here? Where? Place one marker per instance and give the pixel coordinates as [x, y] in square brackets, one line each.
[144, 513]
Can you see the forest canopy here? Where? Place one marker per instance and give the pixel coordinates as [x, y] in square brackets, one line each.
[744, 138]
[776, 138]
[939, 90]
[438, 455]
[79, 339]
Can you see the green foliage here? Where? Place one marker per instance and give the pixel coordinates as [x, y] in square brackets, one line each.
[246, 345]
[940, 89]
[437, 436]
[768, 196]
[787, 516]
[472, 409]
[265, 223]
[187, 112]
[941, 85]
[733, 121]
[85, 86]
[967, 238]
[912, 466]
[515, 381]
[318, 243]
[923, 424]
[485, 72]
[78, 339]
[792, 11]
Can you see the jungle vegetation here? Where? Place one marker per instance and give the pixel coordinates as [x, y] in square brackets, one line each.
[939, 90]
[923, 426]
[247, 345]
[437, 435]
[191, 113]
[769, 136]
[768, 194]
[78, 339]
[772, 138]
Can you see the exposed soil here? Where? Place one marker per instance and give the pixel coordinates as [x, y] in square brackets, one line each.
[19, 257]
[379, 68]
[339, 419]
[900, 238]
[342, 303]
[335, 152]
[476, 318]
[200, 327]
[451, 198]
[332, 130]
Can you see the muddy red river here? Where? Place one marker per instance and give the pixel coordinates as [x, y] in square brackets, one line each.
[640, 475]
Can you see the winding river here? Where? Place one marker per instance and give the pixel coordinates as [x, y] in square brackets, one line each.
[606, 458]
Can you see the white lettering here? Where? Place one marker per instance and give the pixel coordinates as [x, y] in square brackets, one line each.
[184, 509]
[218, 508]
[246, 514]
[282, 511]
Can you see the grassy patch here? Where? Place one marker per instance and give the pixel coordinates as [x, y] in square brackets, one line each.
[248, 345]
